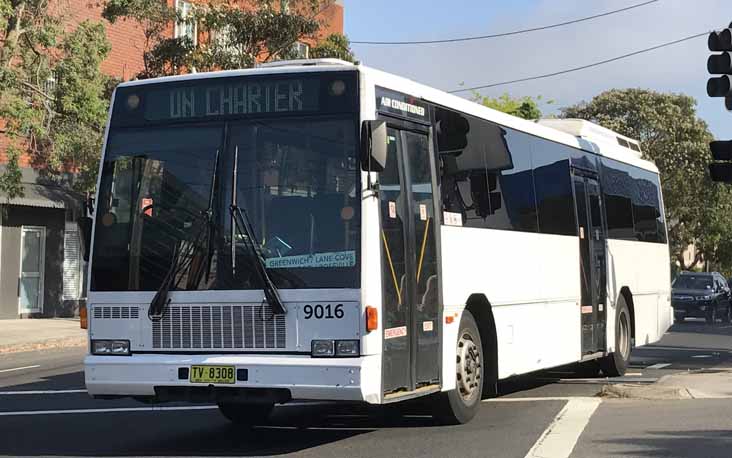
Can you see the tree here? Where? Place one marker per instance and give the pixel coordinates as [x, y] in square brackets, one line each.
[336, 46]
[225, 36]
[53, 98]
[677, 141]
[524, 107]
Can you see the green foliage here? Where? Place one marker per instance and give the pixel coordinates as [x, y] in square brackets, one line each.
[524, 107]
[335, 46]
[53, 97]
[227, 35]
[677, 141]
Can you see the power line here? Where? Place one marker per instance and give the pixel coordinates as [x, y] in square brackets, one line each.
[574, 69]
[505, 34]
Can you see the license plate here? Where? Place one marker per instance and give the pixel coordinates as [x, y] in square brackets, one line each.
[213, 374]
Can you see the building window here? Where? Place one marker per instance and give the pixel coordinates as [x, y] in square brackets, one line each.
[185, 28]
[301, 50]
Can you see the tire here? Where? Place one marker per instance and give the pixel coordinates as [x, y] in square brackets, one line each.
[726, 314]
[460, 405]
[616, 363]
[711, 317]
[245, 414]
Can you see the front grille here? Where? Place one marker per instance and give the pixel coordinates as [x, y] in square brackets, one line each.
[116, 313]
[213, 327]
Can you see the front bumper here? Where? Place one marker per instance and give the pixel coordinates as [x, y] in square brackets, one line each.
[692, 309]
[304, 377]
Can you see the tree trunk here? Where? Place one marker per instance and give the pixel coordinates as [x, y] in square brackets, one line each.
[12, 35]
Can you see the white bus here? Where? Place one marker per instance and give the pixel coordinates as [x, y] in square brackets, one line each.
[320, 230]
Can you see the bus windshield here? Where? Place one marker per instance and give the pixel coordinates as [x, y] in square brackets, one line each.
[169, 187]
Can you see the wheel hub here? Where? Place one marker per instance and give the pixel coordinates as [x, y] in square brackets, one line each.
[468, 367]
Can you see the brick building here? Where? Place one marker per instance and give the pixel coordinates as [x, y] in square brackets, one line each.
[42, 273]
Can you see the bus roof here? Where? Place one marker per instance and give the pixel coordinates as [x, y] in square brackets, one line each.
[579, 134]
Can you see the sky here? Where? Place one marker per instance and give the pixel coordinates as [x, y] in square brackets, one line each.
[680, 68]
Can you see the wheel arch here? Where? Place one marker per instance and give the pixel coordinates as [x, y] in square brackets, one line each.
[480, 307]
[628, 296]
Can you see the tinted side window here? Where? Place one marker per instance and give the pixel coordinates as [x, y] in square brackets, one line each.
[486, 173]
[618, 187]
[646, 207]
[633, 203]
[553, 185]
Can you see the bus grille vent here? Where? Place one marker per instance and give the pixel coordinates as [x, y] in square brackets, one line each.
[116, 313]
[213, 327]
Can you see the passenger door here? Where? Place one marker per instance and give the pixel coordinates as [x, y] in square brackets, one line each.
[409, 265]
[593, 272]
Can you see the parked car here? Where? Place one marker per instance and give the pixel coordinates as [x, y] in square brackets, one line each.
[701, 295]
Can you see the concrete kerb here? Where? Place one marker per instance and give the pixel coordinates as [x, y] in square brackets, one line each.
[699, 384]
[40, 334]
[44, 345]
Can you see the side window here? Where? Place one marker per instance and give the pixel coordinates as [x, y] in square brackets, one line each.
[485, 173]
[553, 184]
[633, 203]
[618, 188]
[517, 183]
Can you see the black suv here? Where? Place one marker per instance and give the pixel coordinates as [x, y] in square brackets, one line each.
[701, 295]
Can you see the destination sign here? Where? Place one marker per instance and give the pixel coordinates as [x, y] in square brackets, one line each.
[206, 99]
[241, 97]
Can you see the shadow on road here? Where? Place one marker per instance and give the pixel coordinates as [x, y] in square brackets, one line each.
[673, 444]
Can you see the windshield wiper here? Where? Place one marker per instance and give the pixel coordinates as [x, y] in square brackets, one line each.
[159, 303]
[241, 220]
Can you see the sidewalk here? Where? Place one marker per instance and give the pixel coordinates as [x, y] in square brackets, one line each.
[38, 334]
[713, 383]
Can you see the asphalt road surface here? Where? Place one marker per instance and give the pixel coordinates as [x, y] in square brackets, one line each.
[44, 410]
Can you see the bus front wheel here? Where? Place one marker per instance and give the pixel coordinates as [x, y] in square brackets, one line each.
[245, 414]
[461, 404]
[615, 364]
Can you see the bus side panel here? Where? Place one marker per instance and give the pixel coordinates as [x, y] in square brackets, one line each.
[532, 283]
[645, 269]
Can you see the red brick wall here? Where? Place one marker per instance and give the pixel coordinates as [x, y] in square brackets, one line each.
[125, 37]
[128, 43]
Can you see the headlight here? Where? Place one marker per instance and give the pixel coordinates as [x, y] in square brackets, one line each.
[321, 348]
[337, 348]
[703, 298]
[347, 348]
[111, 347]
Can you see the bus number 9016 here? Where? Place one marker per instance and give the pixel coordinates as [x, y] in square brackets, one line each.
[319, 312]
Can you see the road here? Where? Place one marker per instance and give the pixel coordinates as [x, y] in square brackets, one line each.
[45, 411]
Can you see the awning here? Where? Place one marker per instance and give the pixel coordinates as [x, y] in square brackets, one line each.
[36, 195]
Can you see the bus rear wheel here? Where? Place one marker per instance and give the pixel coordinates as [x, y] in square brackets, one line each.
[616, 363]
[245, 414]
[460, 405]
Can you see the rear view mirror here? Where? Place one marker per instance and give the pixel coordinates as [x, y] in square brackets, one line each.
[374, 146]
[85, 227]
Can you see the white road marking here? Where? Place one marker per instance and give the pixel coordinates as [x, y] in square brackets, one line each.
[637, 374]
[702, 356]
[559, 439]
[19, 368]
[17, 393]
[536, 399]
[116, 410]
[659, 366]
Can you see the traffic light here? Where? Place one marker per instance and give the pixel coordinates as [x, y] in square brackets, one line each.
[721, 86]
[721, 171]
[720, 64]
